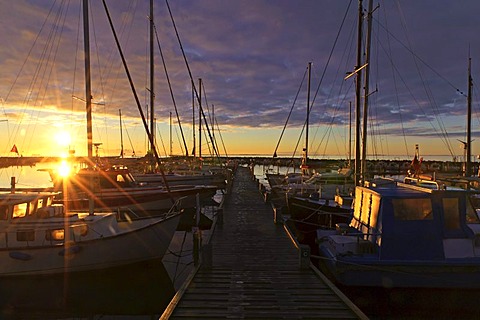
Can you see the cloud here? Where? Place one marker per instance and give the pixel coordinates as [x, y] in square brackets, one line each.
[251, 56]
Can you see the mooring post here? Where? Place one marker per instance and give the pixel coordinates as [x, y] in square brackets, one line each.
[266, 196]
[277, 215]
[12, 184]
[197, 238]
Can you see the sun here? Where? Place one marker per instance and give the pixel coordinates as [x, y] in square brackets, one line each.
[63, 138]
[64, 169]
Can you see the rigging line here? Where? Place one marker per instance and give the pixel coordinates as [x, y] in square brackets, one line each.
[101, 83]
[32, 95]
[221, 138]
[27, 58]
[128, 136]
[145, 125]
[425, 86]
[55, 38]
[396, 87]
[331, 54]
[330, 125]
[441, 134]
[170, 88]
[189, 73]
[209, 115]
[335, 110]
[75, 63]
[179, 141]
[161, 140]
[289, 114]
[328, 61]
[423, 61]
[476, 99]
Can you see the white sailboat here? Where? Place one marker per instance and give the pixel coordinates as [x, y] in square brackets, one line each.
[39, 237]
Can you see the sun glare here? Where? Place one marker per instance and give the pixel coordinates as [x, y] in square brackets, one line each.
[64, 169]
[63, 138]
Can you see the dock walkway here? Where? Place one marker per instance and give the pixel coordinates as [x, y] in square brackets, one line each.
[253, 269]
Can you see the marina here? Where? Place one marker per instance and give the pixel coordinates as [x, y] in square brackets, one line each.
[120, 200]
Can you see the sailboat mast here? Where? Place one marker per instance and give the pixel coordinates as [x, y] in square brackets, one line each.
[308, 111]
[350, 135]
[468, 165]
[88, 82]
[358, 87]
[200, 117]
[121, 133]
[152, 93]
[366, 88]
[193, 121]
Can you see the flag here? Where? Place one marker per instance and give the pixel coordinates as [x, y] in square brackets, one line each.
[14, 149]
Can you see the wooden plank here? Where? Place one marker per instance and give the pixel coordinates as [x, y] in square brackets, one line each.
[255, 270]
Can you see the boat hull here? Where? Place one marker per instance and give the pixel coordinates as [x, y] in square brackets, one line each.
[371, 272]
[141, 200]
[136, 241]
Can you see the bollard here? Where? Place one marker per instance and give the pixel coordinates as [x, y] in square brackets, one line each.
[197, 239]
[304, 252]
[277, 215]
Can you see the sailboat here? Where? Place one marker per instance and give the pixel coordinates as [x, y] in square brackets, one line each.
[404, 234]
[43, 238]
[106, 187]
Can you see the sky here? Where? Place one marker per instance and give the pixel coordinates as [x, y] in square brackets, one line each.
[252, 58]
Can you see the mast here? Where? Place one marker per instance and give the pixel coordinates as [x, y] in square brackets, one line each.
[88, 82]
[152, 93]
[350, 136]
[121, 133]
[468, 165]
[366, 93]
[199, 117]
[88, 100]
[171, 141]
[193, 121]
[308, 110]
[358, 86]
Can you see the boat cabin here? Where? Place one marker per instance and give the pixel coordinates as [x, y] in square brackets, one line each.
[398, 221]
[110, 178]
[20, 205]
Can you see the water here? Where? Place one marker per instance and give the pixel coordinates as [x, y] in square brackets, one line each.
[142, 290]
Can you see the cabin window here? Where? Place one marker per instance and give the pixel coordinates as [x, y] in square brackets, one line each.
[32, 207]
[25, 235]
[56, 235]
[412, 209]
[19, 210]
[451, 213]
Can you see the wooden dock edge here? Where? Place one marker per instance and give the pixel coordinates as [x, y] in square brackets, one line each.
[327, 281]
[179, 294]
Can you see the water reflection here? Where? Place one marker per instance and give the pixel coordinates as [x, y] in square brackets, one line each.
[140, 289]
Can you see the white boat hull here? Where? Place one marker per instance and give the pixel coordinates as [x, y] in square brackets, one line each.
[127, 243]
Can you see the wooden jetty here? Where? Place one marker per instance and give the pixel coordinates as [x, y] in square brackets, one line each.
[251, 268]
